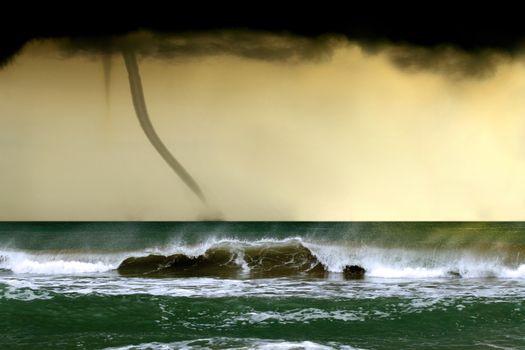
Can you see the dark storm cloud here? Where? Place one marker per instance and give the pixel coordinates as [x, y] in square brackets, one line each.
[450, 61]
[472, 29]
[249, 44]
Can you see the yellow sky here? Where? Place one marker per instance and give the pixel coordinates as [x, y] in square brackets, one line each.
[350, 137]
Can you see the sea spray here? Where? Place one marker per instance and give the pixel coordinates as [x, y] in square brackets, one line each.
[263, 258]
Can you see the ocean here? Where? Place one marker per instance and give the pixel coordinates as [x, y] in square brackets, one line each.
[262, 285]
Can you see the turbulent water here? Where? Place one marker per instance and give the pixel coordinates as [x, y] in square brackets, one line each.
[219, 285]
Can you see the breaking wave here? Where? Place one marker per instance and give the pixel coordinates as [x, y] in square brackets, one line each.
[233, 258]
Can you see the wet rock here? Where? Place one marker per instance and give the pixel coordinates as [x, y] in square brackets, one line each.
[353, 272]
[454, 273]
[179, 265]
[284, 261]
[275, 261]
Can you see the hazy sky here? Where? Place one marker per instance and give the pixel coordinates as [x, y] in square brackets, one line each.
[351, 135]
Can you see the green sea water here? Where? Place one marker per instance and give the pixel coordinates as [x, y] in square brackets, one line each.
[426, 286]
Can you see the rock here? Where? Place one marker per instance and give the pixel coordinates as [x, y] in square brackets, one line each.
[353, 272]
[454, 273]
[261, 262]
[141, 265]
[283, 261]
[180, 265]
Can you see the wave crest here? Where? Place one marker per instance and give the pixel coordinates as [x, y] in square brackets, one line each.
[267, 258]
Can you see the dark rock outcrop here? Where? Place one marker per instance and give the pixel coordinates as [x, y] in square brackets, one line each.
[291, 260]
[353, 272]
[179, 265]
[253, 262]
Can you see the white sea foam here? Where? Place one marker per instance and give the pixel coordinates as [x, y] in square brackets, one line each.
[514, 273]
[178, 247]
[412, 263]
[406, 272]
[379, 262]
[303, 315]
[59, 267]
[331, 288]
[237, 344]
[24, 263]
[25, 294]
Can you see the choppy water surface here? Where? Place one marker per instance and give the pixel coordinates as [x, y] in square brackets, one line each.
[263, 286]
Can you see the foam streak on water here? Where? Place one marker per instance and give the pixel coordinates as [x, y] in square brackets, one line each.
[262, 286]
[236, 344]
[330, 288]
